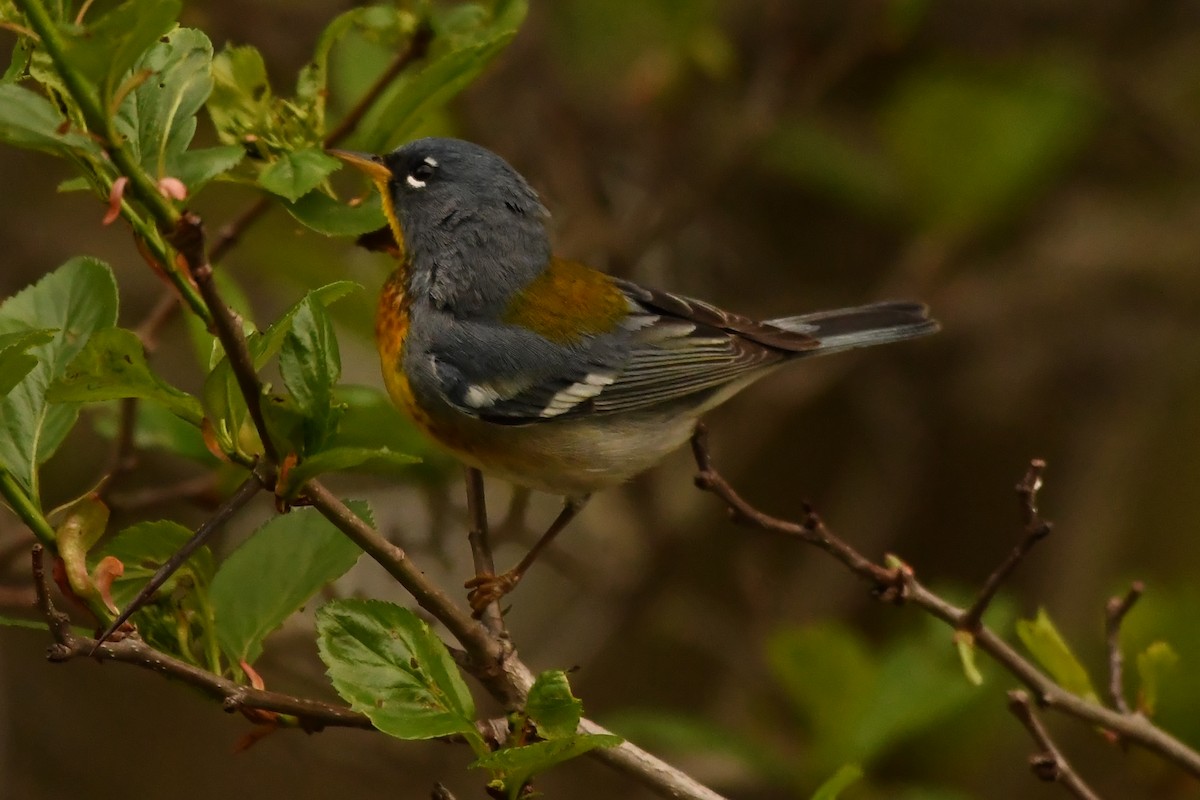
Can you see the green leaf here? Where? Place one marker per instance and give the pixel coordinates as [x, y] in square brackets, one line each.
[516, 765]
[156, 428]
[241, 96]
[970, 144]
[1042, 639]
[338, 459]
[223, 402]
[158, 117]
[323, 214]
[1153, 664]
[828, 674]
[77, 299]
[381, 21]
[112, 44]
[30, 121]
[552, 707]
[275, 572]
[143, 548]
[295, 174]
[964, 644]
[112, 366]
[458, 56]
[15, 360]
[841, 780]
[387, 663]
[311, 366]
[371, 422]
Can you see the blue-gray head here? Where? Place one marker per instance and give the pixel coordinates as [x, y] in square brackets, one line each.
[474, 230]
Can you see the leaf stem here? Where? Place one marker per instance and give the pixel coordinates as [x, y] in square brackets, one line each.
[141, 185]
[25, 508]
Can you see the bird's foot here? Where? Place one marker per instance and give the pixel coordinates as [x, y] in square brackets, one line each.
[487, 588]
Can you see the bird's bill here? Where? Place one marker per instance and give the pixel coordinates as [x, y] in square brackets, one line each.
[370, 165]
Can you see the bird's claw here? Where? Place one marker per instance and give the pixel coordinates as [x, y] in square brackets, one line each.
[487, 588]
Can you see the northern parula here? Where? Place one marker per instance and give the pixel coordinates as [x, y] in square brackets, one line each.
[540, 370]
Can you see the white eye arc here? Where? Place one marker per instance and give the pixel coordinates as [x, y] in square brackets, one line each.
[421, 173]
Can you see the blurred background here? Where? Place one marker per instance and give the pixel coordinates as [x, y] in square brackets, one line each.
[1028, 169]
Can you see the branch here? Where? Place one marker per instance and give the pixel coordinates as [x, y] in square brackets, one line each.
[188, 239]
[1115, 611]
[311, 715]
[250, 487]
[481, 547]
[1036, 529]
[26, 508]
[902, 584]
[1048, 765]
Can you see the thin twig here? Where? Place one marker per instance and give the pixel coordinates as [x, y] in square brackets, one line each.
[312, 715]
[188, 239]
[1133, 727]
[1048, 764]
[1114, 614]
[481, 547]
[1035, 529]
[250, 487]
[418, 46]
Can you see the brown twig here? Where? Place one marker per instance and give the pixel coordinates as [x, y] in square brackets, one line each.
[1135, 728]
[250, 487]
[1048, 764]
[481, 547]
[1114, 614]
[1035, 529]
[312, 715]
[418, 46]
[188, 241]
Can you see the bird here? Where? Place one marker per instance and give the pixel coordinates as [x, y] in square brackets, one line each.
[540, 370]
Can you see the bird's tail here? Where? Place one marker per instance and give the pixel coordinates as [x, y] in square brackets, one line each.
[847, 328]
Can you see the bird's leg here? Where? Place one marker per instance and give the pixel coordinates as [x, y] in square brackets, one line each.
[487, 588]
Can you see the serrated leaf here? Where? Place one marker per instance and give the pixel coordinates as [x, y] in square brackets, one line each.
[241, 96]
[838, 783]
[1153, 664]
[516, 765]
[275, 572]
[223, 402]
[458, 56]
[197, 167]
[76, 300]
[143, 548]
[323, 214]
[107, 47]
[113, 366]
[311, 366]
[341, 459]
[30, 121]
[1043, 641]
[15, 360]
[387, 663]
[552, 707]
[295, 174]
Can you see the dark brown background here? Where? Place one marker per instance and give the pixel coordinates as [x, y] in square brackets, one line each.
[668, 140]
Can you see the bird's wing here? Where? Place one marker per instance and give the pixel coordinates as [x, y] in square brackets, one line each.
[665, 348]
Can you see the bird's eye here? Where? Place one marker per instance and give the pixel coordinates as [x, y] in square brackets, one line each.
[419, 175]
